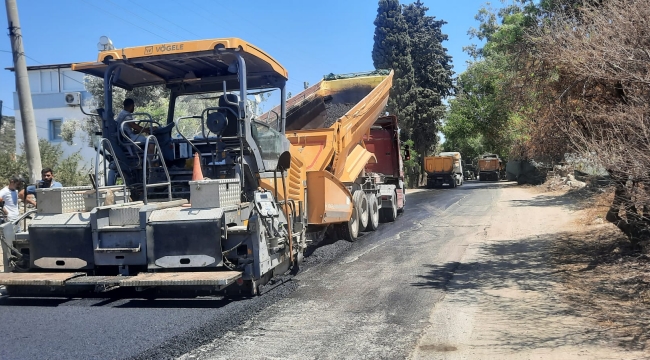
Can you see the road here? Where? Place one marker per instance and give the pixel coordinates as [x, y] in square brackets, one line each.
[369, 299]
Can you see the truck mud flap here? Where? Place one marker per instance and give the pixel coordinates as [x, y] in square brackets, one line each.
[213, 278]
[37, 279]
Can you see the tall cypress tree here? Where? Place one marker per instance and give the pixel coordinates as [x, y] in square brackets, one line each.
[432, 75]
[392, 50]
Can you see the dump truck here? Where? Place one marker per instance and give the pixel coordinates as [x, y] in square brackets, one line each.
[490, 167]
[228, 206]
[469, 171]
[384, 178]
[336, 126]
[444, 169]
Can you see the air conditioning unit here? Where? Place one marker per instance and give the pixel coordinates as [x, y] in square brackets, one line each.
[73, 98]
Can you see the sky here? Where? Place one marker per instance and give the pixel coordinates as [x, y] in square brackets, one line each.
[310, 38]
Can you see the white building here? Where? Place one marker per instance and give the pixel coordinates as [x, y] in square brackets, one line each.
[57, 92]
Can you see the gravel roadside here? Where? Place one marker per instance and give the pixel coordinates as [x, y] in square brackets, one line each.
[504, 298]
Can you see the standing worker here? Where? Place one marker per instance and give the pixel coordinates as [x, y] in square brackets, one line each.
[9, 195]
[47, 181]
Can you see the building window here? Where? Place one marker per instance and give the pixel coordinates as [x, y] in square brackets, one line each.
[55, 129]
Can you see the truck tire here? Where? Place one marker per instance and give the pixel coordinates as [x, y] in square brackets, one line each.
[361, 203]
[373, 213]
[350, 230]
[389, 214]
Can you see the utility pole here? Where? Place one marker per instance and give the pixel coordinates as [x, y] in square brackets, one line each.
[24, 93]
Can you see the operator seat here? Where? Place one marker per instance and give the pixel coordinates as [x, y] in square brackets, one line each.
[112, 132]
[231, 128]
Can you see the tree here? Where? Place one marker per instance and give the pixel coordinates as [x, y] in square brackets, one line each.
[392, 50]
[592, 86]
[492, 110]
[70, 171]
[433, 74]
[412, 165]
[153, 100]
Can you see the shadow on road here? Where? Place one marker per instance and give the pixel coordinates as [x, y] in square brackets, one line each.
[474, 185]
[609, 281]
[47, 302]
[577, 199]
[542, 285]
[129, 298]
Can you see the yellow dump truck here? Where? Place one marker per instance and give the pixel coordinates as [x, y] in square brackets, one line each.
[490, 167]
[444, 169]
[327, 124]
[240, 213]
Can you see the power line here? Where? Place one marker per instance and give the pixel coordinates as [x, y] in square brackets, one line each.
[255, 25]
[291, 50]
[221, 19]
[200, 14]
[154, 24]
[126, 21]
[31, 58]
[64, 75]
[166, 20]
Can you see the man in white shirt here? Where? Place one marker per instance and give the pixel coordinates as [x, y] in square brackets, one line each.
[9, 195]
[134, 131]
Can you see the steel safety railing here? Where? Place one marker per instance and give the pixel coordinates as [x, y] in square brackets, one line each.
[145, 185]
[101, 149]
[128, 139]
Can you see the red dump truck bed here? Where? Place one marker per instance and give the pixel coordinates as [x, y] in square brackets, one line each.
[383, 141]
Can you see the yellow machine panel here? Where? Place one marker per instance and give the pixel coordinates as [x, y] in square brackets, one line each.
[329, 201]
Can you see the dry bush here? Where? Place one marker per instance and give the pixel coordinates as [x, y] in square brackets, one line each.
[592, 88]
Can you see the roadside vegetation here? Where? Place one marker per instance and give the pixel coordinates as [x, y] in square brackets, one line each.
[411, 43]
[563, 76]
[69, 171]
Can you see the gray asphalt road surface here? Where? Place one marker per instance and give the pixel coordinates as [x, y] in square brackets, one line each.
[369, 298]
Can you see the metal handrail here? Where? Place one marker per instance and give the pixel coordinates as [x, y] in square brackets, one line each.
[133, 143]
[23, 216]
[145, 186]
[150, 121]
[178, 130]
[102, 149]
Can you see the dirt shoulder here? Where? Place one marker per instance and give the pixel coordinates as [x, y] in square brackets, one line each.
[522, 289]
[604, 278]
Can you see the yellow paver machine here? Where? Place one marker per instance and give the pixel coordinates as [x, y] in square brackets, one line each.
[215, 194]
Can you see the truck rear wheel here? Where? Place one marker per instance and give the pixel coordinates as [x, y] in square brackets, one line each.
[389, 214]
[373, 213]
[361, 203]
[350, 230]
